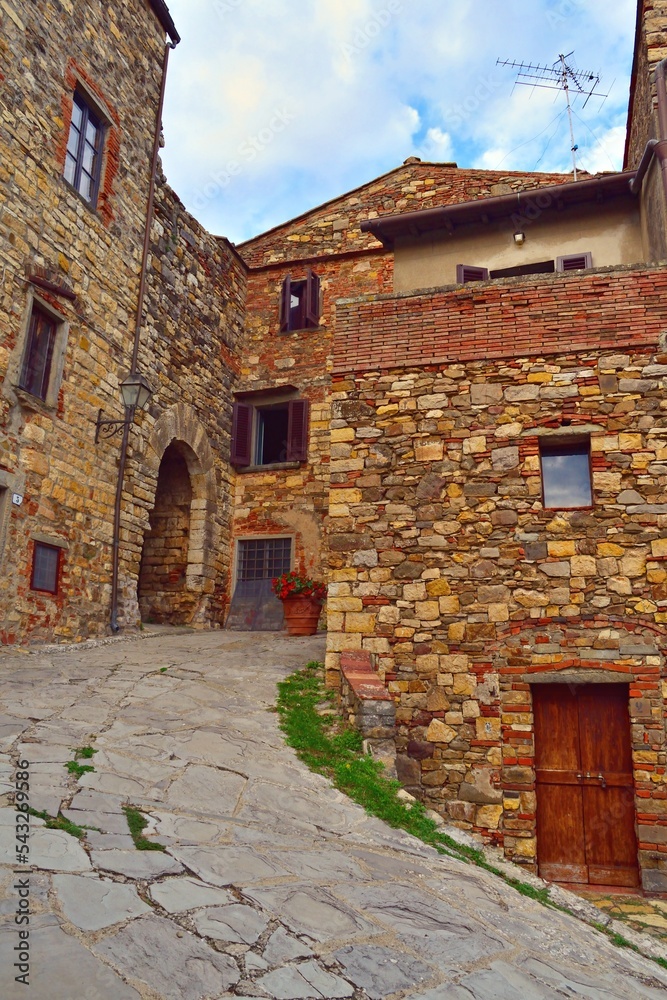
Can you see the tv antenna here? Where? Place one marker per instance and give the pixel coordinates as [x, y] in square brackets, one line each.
[560, 76]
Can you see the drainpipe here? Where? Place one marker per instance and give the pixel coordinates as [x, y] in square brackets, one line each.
[129, 415]
[656, 147]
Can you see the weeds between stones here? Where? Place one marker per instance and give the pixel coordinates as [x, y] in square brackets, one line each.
[136, 822]
[325, 743]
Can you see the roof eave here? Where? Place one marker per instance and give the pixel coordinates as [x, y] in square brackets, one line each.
[388, 227]
[166, 20]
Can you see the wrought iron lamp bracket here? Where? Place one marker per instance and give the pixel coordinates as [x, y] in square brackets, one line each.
[109, 428]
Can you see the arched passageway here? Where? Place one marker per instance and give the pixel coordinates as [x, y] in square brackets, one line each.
[163, 593]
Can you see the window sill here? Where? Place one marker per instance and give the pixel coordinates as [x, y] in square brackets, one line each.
[35, 403]
[273, 467]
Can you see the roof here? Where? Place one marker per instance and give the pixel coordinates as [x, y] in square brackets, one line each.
[388, 227]
[165, 19]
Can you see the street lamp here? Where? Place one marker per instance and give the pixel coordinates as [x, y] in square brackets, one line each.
[135, 392]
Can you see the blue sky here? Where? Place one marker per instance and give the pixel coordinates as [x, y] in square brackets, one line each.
[274, 107]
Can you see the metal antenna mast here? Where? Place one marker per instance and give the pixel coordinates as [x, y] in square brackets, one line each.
[560, 76]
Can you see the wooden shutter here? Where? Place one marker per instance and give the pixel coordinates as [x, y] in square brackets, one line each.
[312, 317]
[241, 434]
[574, 262]
[297, 430]
[466, 272]
[285, 303]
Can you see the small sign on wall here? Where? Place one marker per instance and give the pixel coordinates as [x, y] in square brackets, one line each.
[17, 499]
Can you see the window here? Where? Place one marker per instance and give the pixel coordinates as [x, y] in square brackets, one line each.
[570, 262]
[45, 567]
[566, 473]
[300, 303]
[264, 558]
[83, 159]
[38, 355]
[270, 433]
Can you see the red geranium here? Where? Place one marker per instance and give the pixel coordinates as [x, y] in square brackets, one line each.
[292, 584]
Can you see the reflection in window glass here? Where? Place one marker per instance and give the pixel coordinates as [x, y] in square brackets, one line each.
[566, 474]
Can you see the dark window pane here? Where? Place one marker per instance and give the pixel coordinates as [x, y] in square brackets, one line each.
[272, 424]
[36, 366]
[45, 568]
[264, 558]
[566, 475]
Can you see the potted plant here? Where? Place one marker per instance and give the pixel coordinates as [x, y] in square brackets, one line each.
[302, 601]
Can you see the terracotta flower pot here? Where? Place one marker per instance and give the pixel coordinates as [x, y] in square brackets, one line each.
[301, 614]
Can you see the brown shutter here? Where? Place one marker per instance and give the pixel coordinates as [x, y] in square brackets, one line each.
[285, 302]
[312, 299]
[241, 434]
[297, 430]
[574, 262]
[466, 272]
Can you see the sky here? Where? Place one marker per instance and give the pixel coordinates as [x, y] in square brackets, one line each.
[275, 106]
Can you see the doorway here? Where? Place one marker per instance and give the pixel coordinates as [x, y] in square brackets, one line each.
[584, 784]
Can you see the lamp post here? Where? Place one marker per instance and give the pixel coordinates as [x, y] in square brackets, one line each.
[136, 392]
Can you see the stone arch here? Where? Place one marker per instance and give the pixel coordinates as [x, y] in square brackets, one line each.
[179, 435]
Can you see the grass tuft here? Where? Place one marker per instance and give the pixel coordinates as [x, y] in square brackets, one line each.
[136, 822]
[59, 822]
[84, 753]
[77, 769]
[326, 745]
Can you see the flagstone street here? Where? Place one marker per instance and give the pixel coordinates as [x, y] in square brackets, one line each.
[273, 884]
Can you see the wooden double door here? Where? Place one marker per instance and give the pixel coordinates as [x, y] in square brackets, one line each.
[584, 784]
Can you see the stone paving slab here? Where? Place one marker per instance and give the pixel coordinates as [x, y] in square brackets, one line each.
[272, 884]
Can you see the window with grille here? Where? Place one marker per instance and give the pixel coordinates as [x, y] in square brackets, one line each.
[264, 558]
[45, 567]
[83, 159]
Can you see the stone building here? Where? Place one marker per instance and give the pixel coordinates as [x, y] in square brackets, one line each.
[444, 391]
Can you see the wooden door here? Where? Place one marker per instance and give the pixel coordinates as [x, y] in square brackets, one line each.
[585, 788]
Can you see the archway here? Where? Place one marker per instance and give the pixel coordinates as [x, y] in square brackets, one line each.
[180, 554]
[162, 591]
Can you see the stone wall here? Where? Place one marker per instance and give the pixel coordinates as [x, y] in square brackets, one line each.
[88, 262]
[650, 48]
[447, 567]
[84, 265]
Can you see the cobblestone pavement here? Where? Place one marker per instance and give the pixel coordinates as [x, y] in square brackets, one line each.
[647, 915]
[273, 884]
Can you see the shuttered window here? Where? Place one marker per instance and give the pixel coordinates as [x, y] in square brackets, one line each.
[466, 273]
[270, 434]
[574, 262]
[300, 303]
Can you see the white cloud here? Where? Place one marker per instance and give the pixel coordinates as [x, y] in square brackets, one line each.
[272, 109]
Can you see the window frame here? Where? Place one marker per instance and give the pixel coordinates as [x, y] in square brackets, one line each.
[309, 289]
[245, 427]
[90, 114]
[31, 351]
[240, 542]
[466, 273]
[38, 543]
[563, 445]
[17, 362]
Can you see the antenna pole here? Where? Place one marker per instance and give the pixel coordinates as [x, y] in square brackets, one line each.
[573, 145]
[560, 76]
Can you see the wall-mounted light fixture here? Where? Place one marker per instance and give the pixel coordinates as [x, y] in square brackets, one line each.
[136, 393]
[519, 238]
